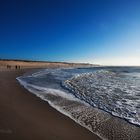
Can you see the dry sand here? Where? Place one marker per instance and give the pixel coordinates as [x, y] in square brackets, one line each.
[37, 64]
[23, 116]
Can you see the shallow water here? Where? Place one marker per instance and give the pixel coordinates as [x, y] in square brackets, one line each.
[80, 93]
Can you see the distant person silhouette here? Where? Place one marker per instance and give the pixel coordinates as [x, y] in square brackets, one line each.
[8, 67]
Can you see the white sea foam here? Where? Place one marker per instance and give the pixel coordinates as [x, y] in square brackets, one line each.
[110, 92]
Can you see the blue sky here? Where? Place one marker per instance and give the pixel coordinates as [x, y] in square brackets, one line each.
[95, 31]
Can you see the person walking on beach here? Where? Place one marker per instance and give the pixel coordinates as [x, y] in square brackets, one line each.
[8, 67]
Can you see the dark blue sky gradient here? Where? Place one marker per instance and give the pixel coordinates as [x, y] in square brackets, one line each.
[69, 30]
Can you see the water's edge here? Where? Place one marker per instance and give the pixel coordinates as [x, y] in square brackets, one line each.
[58, 109]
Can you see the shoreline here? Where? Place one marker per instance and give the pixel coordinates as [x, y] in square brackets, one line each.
[25, 116]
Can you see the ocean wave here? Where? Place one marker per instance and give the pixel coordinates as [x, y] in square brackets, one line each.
[70, 91]
[109, 91]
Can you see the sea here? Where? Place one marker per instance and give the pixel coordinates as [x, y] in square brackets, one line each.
[92, 96]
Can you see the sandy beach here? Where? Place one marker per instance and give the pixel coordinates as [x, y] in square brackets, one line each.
[24, 116]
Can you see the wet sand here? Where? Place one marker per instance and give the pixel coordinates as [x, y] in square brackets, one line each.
[23, 116]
